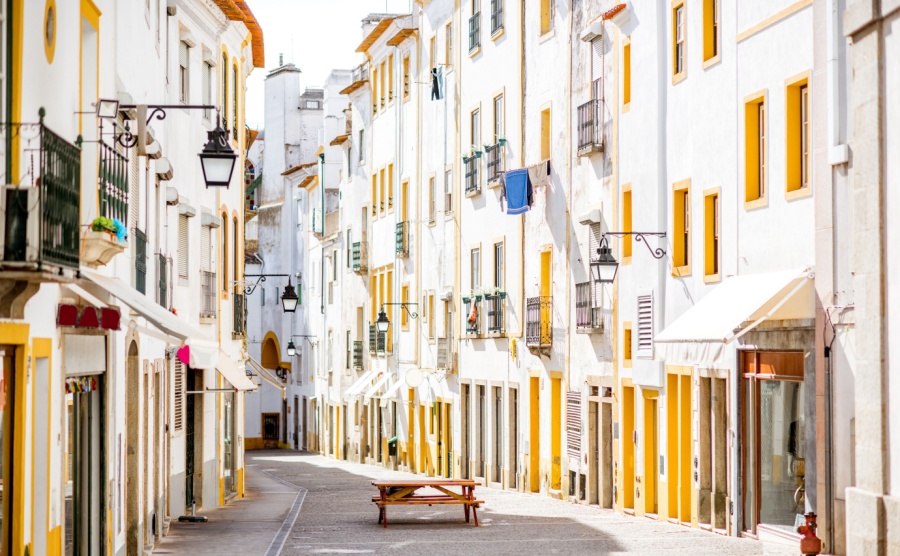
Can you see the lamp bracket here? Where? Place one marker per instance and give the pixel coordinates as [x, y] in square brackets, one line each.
[261, 278]
[406, 306]
[307, 336]
[158, 111]
[657, 253]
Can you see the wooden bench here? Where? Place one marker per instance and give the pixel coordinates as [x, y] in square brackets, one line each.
[391, 493]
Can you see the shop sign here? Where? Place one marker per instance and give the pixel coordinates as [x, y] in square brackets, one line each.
[105, 318]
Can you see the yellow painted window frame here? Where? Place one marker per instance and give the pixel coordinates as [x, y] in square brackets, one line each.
[390, 187]
[627, 345]
[407, 79]
[546, 20]
[546, 131]
[681, 225]
[390, 66]
[382, 205]
[404, 298]
[627, 223]
[712, 44]
[626, 74]
[679, 76]
[793, 184]
[374, 195]
[753, 151]
[711, 196]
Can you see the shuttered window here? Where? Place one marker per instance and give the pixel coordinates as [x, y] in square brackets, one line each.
[179, 396]
[594, 236]
[182, 246]
[645, 326]
[205, 258]
[207, 88]
[573, 424]
[183, 70]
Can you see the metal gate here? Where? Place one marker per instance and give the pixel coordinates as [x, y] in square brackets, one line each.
[189, 441]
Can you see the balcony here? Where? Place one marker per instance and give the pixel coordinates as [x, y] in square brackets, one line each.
[140, 261]
[470, 166]
[207, 294]
[472, 315]
[475, 32]
[332, 222]
[359, 257]
[496, 16]
[495, 305]
[587, 314]
[318, 224]
[444, 354]
[377, 340]
[162, 282]
[99, 247]
[538, 322]
[240, 315]
[42, 219]
[590, 128]
[357, 355]
[401, 237]
[494, 162]
[359, 77]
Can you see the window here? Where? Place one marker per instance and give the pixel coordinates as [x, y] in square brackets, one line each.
[431, 193]
[349, 347]
[679, 38]
[374, 193]
[626, 344]
[224, 252]
[798, 135]
[499, 266]
[183, 72]
[207, 88]
[448, 44]
[545, 134]
[390, 187]
[681, 237]
[645, 326]
[224, 102]
[405, 77]
[548, 11]
[475, 268]
[710, 29]
[496, 16]
[432, 52]
[475, 28]
[381, 86]
[498, 118]
[374, 91]
[183, 252]
[755, 149]
[626, 222]
[312, 104]
[381, 192]
[475, 129]
[711, 218]
[404, 298]
[330, 362]
[431, 318]
[448, 191]
[234, 102]
[390, 66]
[626, 72]
[234, 248]
[362, 145]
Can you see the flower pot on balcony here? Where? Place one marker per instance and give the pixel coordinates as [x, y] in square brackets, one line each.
[502, 295]
[478, 298]
[98, 248]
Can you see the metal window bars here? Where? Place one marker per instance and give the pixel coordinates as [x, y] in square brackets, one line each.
[401, 239]
[359, 257]
[473, 184]
[207, 294]
[240, 315]
[140, 261]
[590, 129]
[474, 31]
[494, 164]
[162, 283]
[496, 16]
[357, 355]
[538, 321]
[113, 184]
[496, 305]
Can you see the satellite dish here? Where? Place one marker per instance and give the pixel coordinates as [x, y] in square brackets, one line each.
[414, 378]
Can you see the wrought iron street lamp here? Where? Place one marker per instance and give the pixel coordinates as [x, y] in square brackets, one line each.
[289, 298]
[605, 266]
[292, 348]
[218, 158]
[383, 323]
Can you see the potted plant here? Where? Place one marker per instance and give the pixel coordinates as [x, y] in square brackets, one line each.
[103, 241]
[103, 224]
[478, 294]
[497, 292]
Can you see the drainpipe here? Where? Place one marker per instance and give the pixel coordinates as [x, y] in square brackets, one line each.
[322, 246]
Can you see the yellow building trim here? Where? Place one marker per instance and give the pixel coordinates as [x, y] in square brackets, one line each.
[755, 154]
[793, 129]
[772, 20]
[679, 76]
[16, 335]
[51, 17]
[681, 227]
[15, 76]
[41, 348]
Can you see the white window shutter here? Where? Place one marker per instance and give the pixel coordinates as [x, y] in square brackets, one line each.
[645, 326]
[183, 54]
[573, 424]
[182, 245]
[204, 248]
[596, 58]
[179, 396]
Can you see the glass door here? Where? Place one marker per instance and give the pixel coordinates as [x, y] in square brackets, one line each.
[228, 452]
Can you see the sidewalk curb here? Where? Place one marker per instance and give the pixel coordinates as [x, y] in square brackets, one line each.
[277, 544]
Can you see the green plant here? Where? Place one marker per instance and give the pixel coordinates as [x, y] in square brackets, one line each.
[103, 224]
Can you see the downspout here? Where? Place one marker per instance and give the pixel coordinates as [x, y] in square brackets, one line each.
[417, 288]
[571, 191]
[322, 231]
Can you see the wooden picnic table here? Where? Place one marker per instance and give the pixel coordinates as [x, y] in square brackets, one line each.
[396, 492]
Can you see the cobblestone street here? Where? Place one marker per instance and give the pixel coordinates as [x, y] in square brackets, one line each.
[337, 517]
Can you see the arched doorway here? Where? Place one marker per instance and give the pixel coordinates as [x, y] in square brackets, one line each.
[272, 422]
[133, 536]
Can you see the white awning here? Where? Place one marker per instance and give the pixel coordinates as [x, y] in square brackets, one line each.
[234, 372]
[392, 392]
[266, 375]
[359, 384]
[738, 305]
[434, 388]
[378, 384]
[204, 351]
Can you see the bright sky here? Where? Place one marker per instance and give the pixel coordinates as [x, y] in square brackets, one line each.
[316, 35]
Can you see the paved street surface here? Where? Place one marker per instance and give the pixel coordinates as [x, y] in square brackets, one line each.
[338, 517]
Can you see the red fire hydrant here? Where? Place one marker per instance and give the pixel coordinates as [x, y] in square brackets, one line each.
[810, 544]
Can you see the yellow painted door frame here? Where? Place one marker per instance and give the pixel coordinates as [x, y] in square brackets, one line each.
[628, 447]
[15, 336]
[684, 448]
[534, 447]
[672, 472]
[556, 433]
[651, 453]
[423, 445]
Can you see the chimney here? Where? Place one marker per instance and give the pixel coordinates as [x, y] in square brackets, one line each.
[280, 59]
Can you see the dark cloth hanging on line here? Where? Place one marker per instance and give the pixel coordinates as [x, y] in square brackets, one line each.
[437, 83]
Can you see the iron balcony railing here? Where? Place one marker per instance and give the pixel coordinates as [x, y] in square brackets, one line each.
[359, 257]
[377, 340]
[162, 280]
[472, 308]
[358, 355]
[587, 314]
[494, 164]
[240, 315]
[140, 261]
[360, 73]
[590, 130]
[41, 222]
[538, 324]
[470, 164]
[495, 307]
[474, 31]
[496, 16]
[113, 184]
[401, 237]
[444, 354]
[207, 294]
[372, 332]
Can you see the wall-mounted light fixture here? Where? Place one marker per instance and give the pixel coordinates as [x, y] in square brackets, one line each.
[605, 266]
[382, 324]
